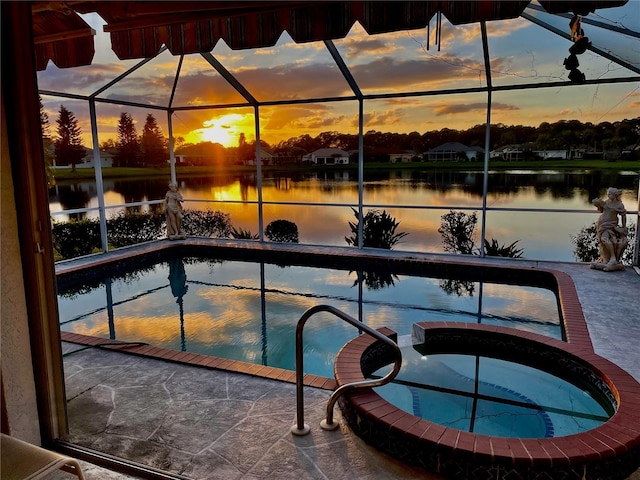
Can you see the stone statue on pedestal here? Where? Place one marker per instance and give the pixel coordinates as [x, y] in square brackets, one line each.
[173, 211]
[611, 235]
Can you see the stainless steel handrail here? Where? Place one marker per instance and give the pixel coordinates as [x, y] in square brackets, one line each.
[300, 428]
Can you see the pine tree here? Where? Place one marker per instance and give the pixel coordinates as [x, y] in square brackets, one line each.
[128, 144]
[44, 121]
[47, 142]
[153, 143]
[68, 146]
[245, 151]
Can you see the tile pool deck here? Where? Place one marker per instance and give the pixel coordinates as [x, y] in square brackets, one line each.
[223, 421]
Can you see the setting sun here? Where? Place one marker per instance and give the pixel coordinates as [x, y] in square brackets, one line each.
[214, 132]
[225, 130]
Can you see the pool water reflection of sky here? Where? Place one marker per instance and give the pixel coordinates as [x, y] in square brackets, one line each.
[248, 311]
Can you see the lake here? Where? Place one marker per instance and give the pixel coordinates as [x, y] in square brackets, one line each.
[320, 202]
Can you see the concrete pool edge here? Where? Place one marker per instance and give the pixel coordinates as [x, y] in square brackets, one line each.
[610, 451]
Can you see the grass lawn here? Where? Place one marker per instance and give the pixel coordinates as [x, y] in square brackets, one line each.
[139, 172]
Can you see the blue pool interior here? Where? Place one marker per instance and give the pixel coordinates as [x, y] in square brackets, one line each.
[491, 396]
[247, 311]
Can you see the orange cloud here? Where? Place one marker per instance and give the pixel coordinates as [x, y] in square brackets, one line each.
[380, 119]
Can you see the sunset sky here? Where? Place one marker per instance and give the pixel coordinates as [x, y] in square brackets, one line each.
[521, 52]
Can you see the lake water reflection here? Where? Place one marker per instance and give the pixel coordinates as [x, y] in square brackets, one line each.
[417, 199]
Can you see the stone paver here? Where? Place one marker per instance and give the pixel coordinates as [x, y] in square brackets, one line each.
[241, 431]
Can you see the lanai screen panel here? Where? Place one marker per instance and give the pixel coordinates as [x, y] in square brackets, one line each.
[286, 71]
[409, 61]
[200, 84]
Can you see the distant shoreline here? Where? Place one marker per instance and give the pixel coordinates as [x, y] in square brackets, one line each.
[65, 173]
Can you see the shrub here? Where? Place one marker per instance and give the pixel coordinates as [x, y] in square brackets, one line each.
[76, 238]
[587, 248]
[207, 223]
[493, 250]
[378, 230]
[586, 244]
[242, 234]
[457, 230]
[282, 231]
[130, 228]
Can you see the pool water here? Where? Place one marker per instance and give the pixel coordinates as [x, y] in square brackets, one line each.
[248, 311]
[489, 396]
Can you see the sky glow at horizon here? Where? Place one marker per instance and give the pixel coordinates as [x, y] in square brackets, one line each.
[398, 62]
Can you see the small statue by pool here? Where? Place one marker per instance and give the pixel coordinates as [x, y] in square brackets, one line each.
[612, 237]
[173, 211]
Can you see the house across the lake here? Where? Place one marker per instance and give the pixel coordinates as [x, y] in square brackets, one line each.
[266, 158]
[327, 156]
[526, 151]
[454, 152]
[106, 160]
[404, 157]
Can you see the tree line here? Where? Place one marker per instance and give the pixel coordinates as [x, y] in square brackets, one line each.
[561, 135]
[148, 149]
[151, 147]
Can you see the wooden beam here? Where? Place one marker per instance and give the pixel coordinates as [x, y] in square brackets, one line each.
[68, 35]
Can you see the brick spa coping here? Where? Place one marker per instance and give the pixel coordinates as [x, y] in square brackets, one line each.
[609, 451]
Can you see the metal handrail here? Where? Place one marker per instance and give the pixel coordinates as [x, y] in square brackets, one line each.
[300, 428]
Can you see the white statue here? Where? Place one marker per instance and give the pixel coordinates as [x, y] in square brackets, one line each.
[173, 211]
[612, 237]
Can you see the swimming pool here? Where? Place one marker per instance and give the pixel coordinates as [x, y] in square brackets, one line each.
[247, 310]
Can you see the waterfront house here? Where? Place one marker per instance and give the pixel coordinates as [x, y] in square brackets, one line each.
[327, 156]
[404, 157]
[454, 152]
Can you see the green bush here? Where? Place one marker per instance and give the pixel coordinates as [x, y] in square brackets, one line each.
[378, 230]
[494, 250]
[456, 229]
[242, 234]
[130, 228]
[587, 248]
[282, 231]
[586, 244]
[207, 223]
[75, 238]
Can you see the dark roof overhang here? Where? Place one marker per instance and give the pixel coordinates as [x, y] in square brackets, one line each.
[139, 29]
